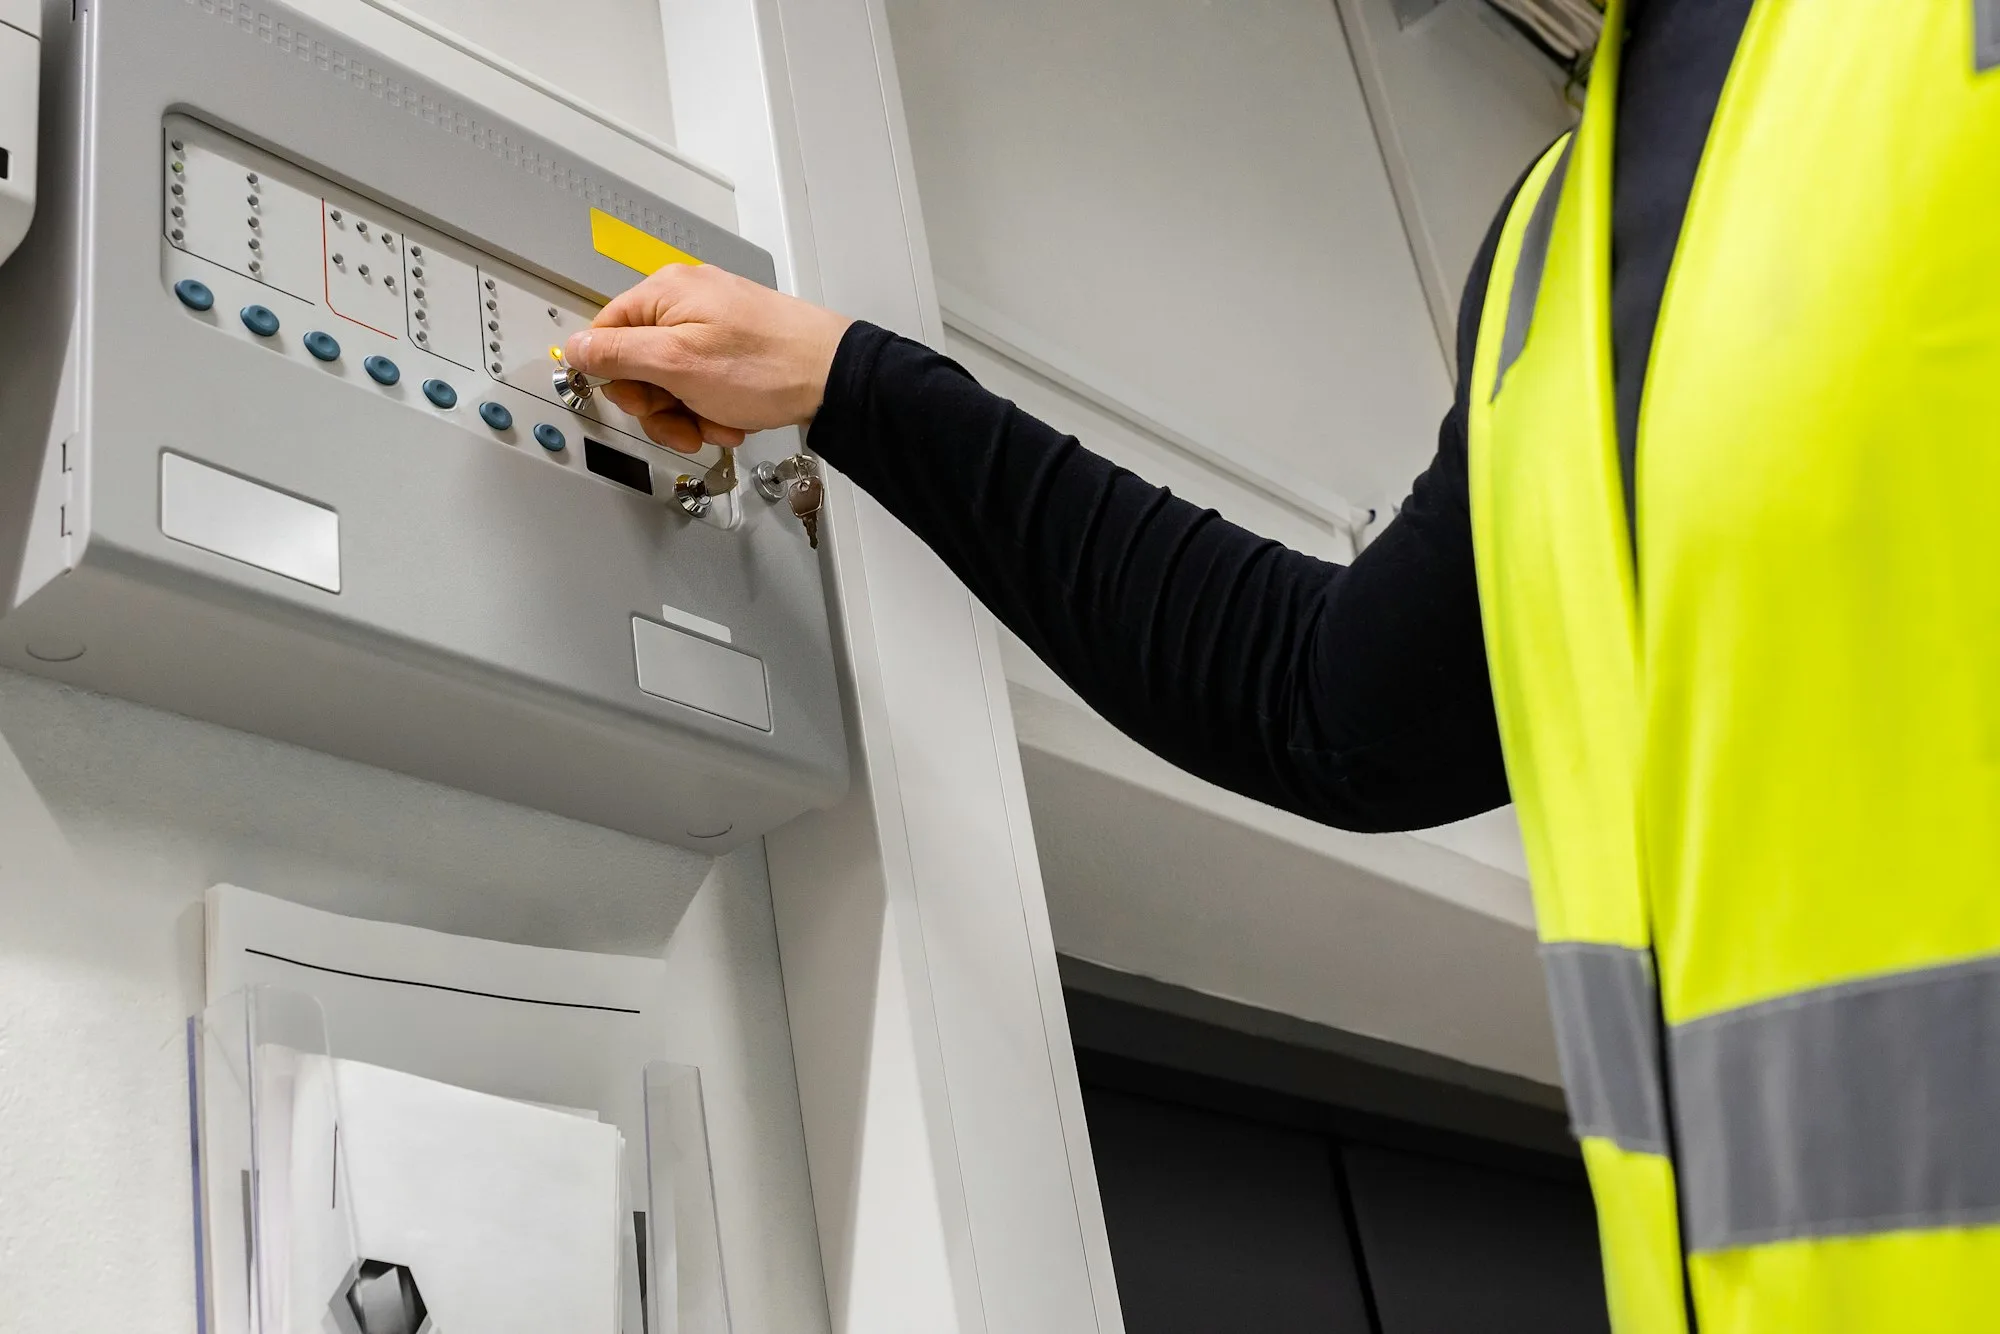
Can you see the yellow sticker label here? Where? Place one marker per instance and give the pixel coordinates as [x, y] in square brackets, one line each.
[631, 247]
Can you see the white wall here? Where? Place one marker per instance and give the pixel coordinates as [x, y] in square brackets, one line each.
[1186, 199]
[1465, 104]
[1270, 512]
[113, 820]
[605, 52]
[1188, 206]
[1172, 229]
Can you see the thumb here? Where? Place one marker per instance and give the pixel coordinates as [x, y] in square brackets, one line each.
[646, 352]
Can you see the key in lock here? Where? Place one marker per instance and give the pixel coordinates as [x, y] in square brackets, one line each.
[797, 482]
[572, 386]
[806, 495]
[721, 478]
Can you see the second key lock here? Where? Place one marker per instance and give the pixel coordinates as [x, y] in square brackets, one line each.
[797, 482]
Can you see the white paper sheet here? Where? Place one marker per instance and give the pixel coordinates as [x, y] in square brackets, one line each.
[508, 1215]
[556, 1028]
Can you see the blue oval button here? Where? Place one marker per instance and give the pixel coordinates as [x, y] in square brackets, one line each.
[381, 370]
[549, 438]
[440, 394]
[259, 320]
[322, 345]
[496, 415]
[194, 294]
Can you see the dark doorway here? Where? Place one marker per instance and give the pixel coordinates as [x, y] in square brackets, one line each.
[1219, 1223]
[1245, 1208]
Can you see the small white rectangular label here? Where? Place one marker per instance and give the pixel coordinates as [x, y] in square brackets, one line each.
[687, 620]
[232, 516]
[727, 682]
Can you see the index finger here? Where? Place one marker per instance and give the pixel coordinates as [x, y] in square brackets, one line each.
[648, 301]
[629, 307]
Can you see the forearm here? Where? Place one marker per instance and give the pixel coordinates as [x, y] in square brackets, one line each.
[1218, 650]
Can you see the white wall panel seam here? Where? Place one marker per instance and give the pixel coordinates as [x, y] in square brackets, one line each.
[850, 555]
[947, 1133]
[972, 319]
[1025, 869]
[848, 858]
[1086, 1202]
[922, 275]
[1396, 166]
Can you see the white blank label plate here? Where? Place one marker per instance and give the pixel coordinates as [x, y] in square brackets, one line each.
[248, 521]
[727, 682]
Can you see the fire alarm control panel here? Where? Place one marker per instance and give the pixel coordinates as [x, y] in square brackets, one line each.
[283, 446]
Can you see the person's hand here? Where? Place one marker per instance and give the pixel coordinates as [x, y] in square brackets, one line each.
[700, 355]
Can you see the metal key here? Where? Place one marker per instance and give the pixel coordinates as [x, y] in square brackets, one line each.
[796, 481]
[805, 494]
[721, 478]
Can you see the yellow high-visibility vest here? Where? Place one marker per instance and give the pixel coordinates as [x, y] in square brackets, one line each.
[1753, 729]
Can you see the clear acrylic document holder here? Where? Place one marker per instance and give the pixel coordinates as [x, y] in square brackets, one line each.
[245, 1054]
[687, 1293]
[276, 1248]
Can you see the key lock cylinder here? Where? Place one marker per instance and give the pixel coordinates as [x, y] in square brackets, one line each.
[572, 386]
[794, 481]
[695, 495]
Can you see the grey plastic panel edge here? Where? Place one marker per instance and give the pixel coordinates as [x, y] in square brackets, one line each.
[343, 100]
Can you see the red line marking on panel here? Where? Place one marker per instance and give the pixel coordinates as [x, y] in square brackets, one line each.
[326, 280]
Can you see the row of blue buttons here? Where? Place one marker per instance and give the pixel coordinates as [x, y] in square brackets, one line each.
[263, 321]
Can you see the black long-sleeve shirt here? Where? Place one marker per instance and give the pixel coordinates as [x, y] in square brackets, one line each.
[1357, 696]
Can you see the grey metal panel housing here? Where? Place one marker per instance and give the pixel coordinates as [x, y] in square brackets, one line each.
[481, 636]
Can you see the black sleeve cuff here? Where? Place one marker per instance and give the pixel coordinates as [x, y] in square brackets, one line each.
[839, 425]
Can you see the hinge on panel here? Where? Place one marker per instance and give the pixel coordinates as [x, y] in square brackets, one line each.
[50, 550]
[67, 502]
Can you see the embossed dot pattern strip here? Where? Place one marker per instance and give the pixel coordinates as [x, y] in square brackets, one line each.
[314, 52]
[341, 281]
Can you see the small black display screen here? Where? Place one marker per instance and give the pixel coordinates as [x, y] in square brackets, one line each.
[3, 164]
[619, 466]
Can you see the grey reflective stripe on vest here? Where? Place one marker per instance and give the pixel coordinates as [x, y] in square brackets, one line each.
[1985, 34]
[1608, 1037]
[1872, 1106]
[1528, 272]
